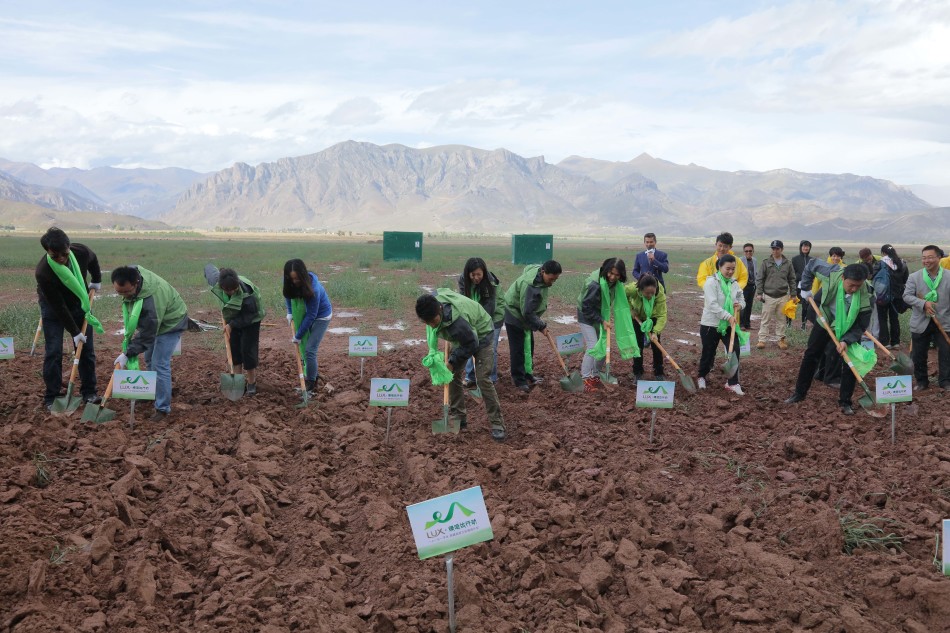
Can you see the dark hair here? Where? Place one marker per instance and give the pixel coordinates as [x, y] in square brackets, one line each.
[613, 262]
[836, 250]
[55, 239]
[725, 259]
[125, 275]
[725, 238]
[646, 280]
[855, 272]
[748, 244]
[427, 307]
[864, 252]
[305, 291]
[650, 235]
[228, 279]
[888, 250]
[934, 248]
[551, 267]
[485, 286]
[804, 243]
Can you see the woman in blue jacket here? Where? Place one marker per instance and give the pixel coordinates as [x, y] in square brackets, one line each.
[309, 309]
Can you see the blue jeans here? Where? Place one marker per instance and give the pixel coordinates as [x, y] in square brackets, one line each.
[470, 365]
[159, 360]
[317, 330]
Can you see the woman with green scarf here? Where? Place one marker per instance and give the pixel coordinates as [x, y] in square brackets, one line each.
[722, 304]
[647, 299]
[602, 305]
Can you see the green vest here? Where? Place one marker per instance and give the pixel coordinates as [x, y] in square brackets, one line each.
[232, 305]
[830, 286]
[594, 277]
[514, 298]
[170, 308]
[464, 308]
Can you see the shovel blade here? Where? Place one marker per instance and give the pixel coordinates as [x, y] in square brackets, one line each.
[232, 386]
[66, 404]
[572, 382]
[902, 365]
[475, 393]
[687, 382]
[731, 366]
[97, 414]
[446, 424]
[607, 378]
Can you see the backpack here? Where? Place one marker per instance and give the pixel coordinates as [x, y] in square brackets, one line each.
[882, 285]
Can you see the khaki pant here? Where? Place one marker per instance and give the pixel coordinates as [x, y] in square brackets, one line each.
[484, 358]
[773, 318]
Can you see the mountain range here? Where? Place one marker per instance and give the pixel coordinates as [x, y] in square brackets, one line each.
[366, 187]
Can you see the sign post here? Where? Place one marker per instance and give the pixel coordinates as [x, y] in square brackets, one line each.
[363, 346]
[446, 524]
[655, 394]
[389, 393]
[893, 389]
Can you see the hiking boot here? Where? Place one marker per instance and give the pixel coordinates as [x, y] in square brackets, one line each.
[637, 378]
[736, 389]
[922, 386]
[700, 383]
[158, 416]
[593, 384]
[847, 409]
[803, 326]
[760, 345]
[782, 344]
[659, 377]
[524, 388]
[251, 389]
[535, 380]
[92, 399]
[795, 397]
[498, 435]
[469, 384]
[463, 423]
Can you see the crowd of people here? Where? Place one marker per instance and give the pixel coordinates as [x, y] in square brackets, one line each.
[854, 302]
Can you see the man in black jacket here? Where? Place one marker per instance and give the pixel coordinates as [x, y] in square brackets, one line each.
[799, 262]
[62, 310]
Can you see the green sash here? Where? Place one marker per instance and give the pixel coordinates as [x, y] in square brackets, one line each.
[932, 295]
[71, 277]
[724, 326]
[844, 322]
[298, 308]
[130, 319]
[435, 360]
[646, 326]
[623, 324]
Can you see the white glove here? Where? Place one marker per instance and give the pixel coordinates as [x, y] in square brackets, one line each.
[290, 318]
[79, 338]
[806, 295]
[121, 360]
[95, 286]
[295, 341]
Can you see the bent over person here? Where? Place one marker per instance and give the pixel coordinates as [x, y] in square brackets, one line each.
[63, 296]
[468, 327]
[928, 294]
[154, 315]
[525, 302]
[242, 312]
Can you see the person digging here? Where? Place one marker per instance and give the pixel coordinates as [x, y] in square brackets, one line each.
[465, 324]
[242, 312]
[846, 305]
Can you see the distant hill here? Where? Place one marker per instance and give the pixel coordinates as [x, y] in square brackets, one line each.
[14, 190]
[23, 215]
[939, 196]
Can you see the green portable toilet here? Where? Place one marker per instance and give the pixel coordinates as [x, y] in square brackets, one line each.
[399, 245]
[531, 249]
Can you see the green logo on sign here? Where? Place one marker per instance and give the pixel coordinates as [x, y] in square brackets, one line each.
[437, 516]
[656, 390]
[390, 388]
[5, 346]
[366, 342]
[572, 339]
[897, 384]
[128, 381]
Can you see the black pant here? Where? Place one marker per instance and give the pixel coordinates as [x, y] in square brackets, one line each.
[888, 335]
[53, 331]
[921, 344]
[657, 354]
[745, 317]
[830, 364]
[710, 337]
[245, 344]
[817, 345]
[516, 338]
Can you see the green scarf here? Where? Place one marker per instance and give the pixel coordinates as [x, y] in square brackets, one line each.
[844, 322]
[623, 324]
[298, 308]
[724, 326]
[435, 360]
[646, 326]
[932, 295]
[73, 280]
[528, 358]
[130, 319]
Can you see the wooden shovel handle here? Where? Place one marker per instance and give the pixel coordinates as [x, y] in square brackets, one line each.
[942, 331]
[303, 385]
[108, 394]
[85, 324]
[39, 328]
[824, 323]
[732, 337]
[445, 387]
[227, 346]
[886, 351]
[656, 341]
[556, 353]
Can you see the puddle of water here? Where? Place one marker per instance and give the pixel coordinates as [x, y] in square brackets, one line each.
[413, 341]
[342, 330]
[428, 289]
[334, 267]
[388, 347]
[398, 325]
[345, 314]
[120, 332]
[756, 317]
[565, 319]
[696, 334]
[679, 340]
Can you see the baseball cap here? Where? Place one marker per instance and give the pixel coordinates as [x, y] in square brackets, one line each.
[777, 244]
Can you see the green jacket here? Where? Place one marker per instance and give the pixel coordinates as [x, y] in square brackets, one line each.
[465, 325]
[659, 305]
[244, 307]
[527, 299]
[163, 311]
[495, 306]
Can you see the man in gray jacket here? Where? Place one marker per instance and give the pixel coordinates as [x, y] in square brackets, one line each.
[775, 283]
[928, 294]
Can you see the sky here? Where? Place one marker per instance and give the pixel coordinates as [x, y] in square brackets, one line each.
[818, 86]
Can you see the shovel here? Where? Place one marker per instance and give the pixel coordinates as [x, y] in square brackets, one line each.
[867, 400]
[36, 337]
[942, 331]
[97, 413]
[443, 424]
[572, 380]
[231, 386]
[900, 364]
[731, 366]
[685, 379]
[607, 379]
[303, 385]
[69, 403]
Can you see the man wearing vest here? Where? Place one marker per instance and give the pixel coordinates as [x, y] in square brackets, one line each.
[154, 315]
[242, 312]
[63, 296]
[846, 305]
[465, 324]
[928, 294]
[525, 302]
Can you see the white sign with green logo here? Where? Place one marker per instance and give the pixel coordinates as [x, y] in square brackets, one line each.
[746, 348]
[946, 547]
[363, 346]
[570, 344]
[450, 522]
[655, 394]
[389, 392]
[134, 385]
[6, 348]
[894, 389]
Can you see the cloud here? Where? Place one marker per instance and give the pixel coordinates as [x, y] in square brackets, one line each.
[357, 111]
